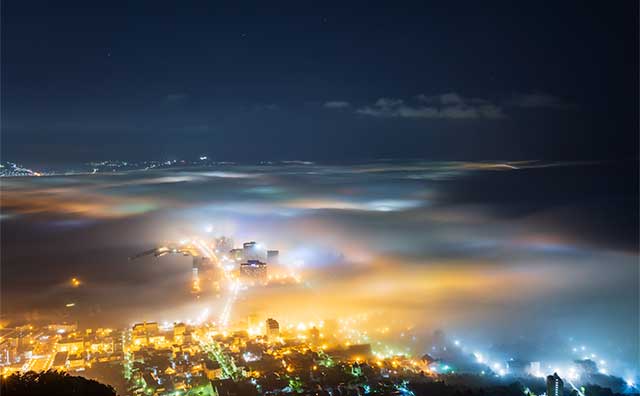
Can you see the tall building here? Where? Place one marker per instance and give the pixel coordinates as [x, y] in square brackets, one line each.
[273, 329]
[254, 271]
[272, 256]
[200, 265]
[252, 251]
[249, 249]
[146, 328]
[555, 385]
[252, 323]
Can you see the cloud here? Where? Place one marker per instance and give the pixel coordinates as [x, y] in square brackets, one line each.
[450, 106]
[470, 247]
[538, 100]
[388, 102]
[449, 98]
[336, 104]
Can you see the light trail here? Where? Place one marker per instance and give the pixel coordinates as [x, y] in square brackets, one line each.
[206, 251]
[228, 305]
[574, 387]
[234, 284]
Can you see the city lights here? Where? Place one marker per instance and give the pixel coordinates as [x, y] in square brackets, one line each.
[207, 309]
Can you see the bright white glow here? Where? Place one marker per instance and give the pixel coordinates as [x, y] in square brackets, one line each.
[203, 316]
[249, 357]
[228, 306]
[166, 326]
[573, 375]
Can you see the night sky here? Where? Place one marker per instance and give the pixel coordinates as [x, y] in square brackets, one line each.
[310, 80]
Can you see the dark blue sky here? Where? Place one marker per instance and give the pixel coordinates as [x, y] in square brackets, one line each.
[474, 80]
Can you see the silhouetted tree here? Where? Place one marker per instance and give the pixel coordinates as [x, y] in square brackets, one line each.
[52, 383]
